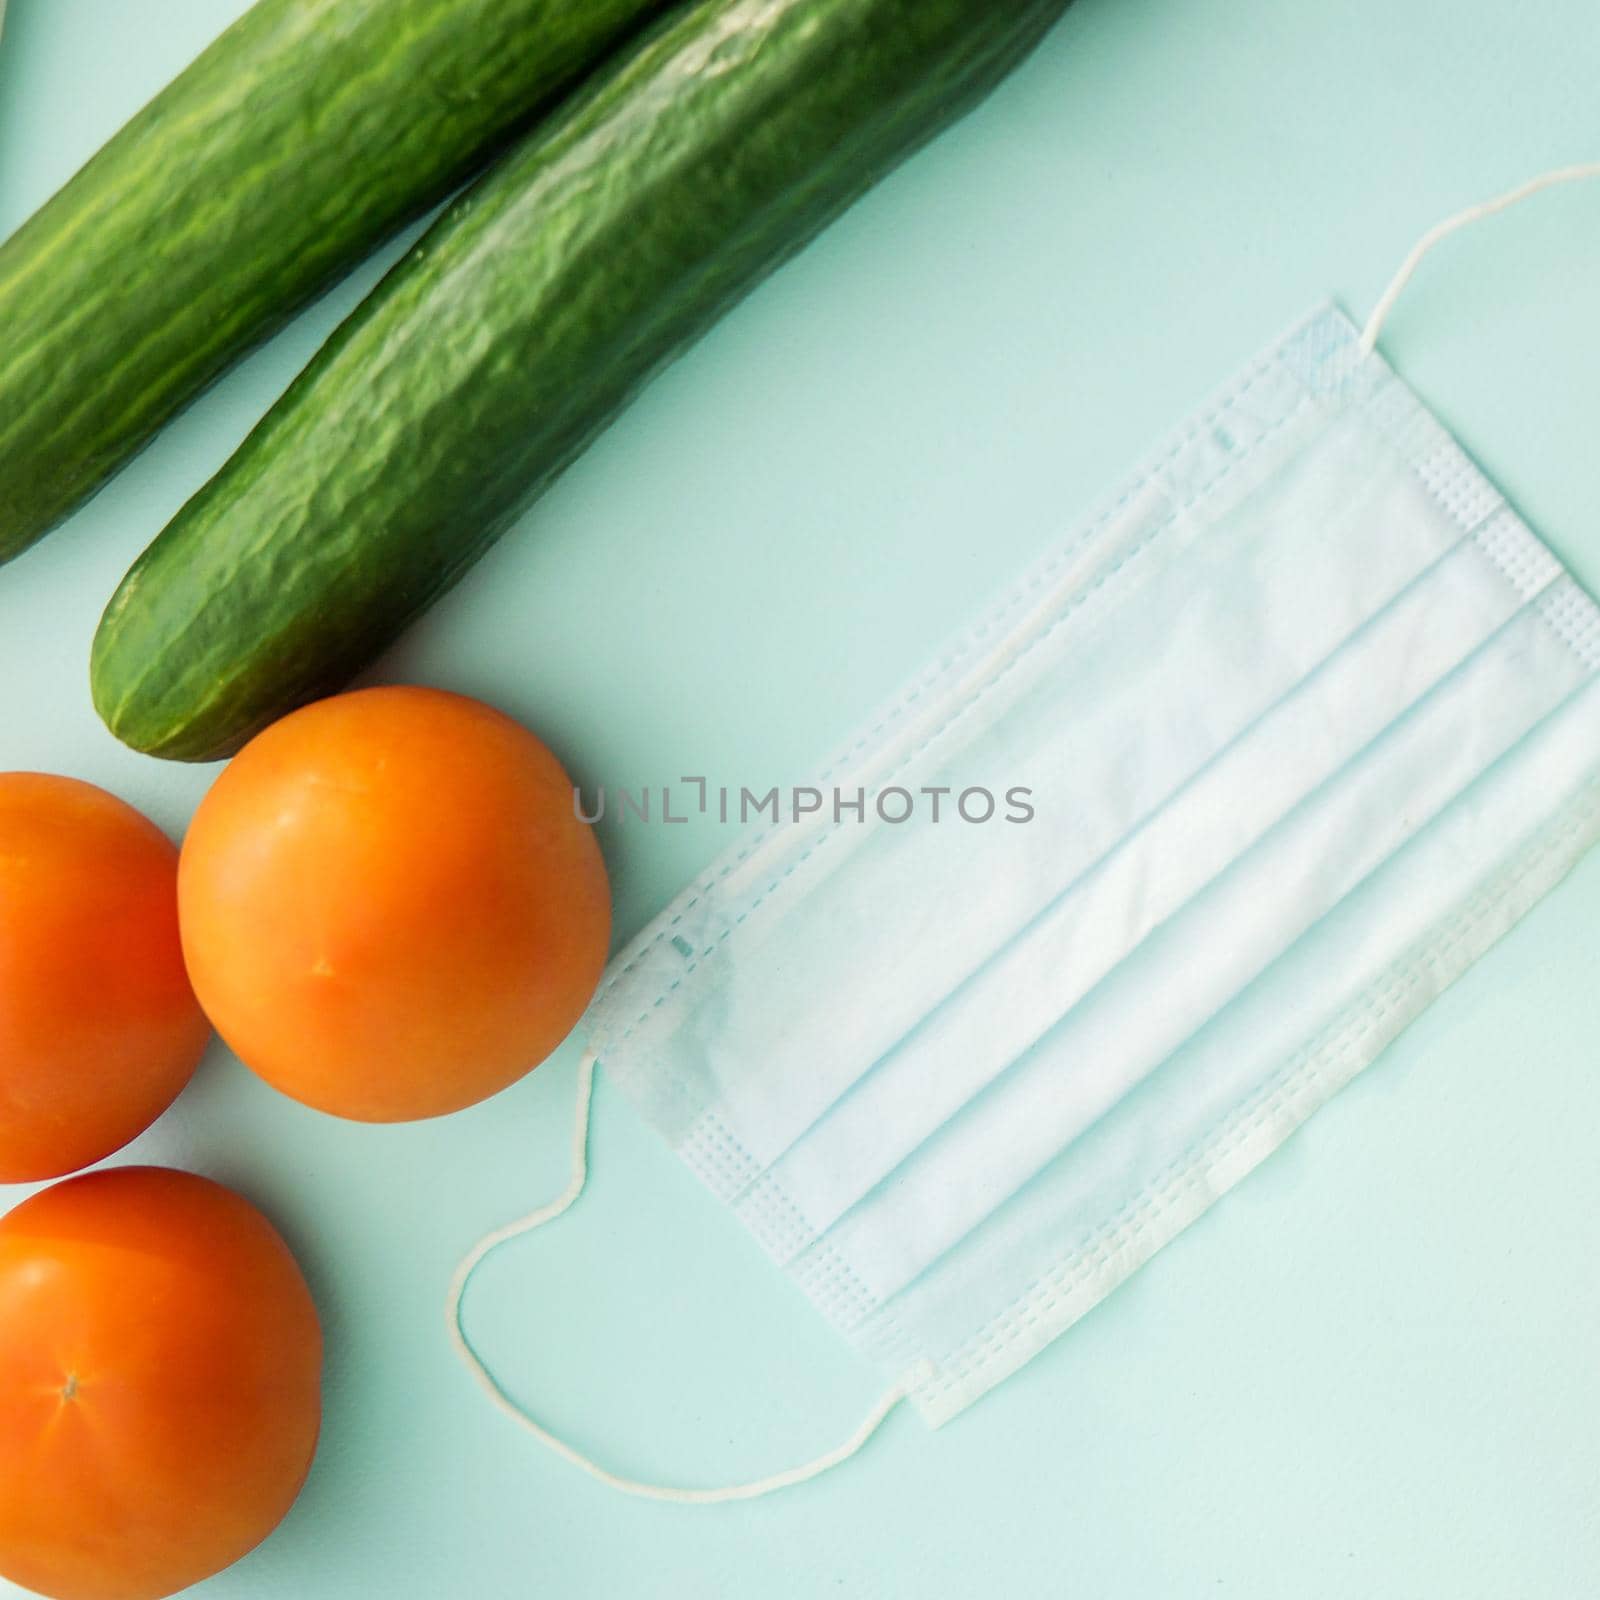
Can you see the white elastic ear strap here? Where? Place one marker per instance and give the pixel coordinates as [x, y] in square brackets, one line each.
[1463, 219]
[647, 1491]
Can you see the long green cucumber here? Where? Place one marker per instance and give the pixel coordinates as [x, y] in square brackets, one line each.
[514, 331]
[306, 134]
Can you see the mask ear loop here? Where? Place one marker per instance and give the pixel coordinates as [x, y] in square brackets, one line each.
[1463, 219]
[646, 1491]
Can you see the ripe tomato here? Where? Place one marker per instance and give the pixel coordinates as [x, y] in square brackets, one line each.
[160, 1371]
[99, 1028]
[389, 907]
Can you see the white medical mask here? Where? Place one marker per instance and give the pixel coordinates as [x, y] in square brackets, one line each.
[1309, 719]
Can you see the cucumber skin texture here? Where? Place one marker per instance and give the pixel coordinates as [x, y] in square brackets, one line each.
[300, 139]
[514, 331]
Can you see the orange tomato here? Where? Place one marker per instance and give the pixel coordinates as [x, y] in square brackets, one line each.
[160, 1372]
[99, 1028]
[388, 905]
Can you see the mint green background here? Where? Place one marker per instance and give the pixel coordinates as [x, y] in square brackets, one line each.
[1373, 1371]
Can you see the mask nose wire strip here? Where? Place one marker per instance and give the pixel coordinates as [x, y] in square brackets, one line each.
[1463, 219]
[645, 1491]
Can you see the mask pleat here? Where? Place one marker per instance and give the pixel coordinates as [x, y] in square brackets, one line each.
[1015, 997]
[1232, 1093]
[1205, 956]
[1126, 716]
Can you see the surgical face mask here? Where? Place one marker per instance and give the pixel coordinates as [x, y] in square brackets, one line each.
[1307, 718]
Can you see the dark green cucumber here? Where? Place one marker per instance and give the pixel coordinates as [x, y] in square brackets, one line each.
[306, 134]
[514, 331]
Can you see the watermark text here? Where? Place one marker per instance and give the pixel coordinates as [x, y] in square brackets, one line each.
[893, 804]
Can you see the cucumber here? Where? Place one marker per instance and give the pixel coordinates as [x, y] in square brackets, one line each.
[302, 137]
[514, 331]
